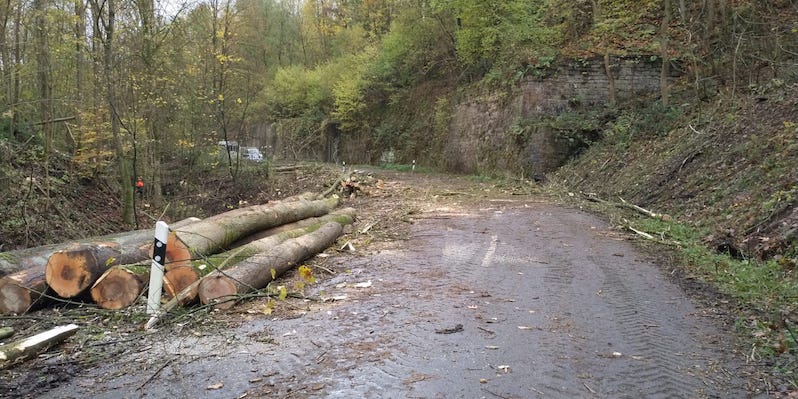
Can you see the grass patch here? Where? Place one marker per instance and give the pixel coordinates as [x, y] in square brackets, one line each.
[405, 168]
[766, 290]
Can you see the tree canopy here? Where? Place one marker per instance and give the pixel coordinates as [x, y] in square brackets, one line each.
[122, 87]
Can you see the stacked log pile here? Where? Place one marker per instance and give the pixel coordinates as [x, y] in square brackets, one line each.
[254, 244]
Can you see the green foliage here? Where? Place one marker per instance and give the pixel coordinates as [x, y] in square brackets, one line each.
[645, 120]
[502, 36]
[349, 92]
[416, 48]
[297, 91]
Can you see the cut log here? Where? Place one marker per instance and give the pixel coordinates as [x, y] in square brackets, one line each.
[119, 287]
[222, 288]
[343, 216]
[183, 277]
[68, 272]
[220, 232]
[215, 234]
[229, 259]
[176, 279]
[27, 347]
[71, 271]
[14, 261]
[21, 291]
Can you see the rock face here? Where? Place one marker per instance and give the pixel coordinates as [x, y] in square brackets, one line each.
[485, 134]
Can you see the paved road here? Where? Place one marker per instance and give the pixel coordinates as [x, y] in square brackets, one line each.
[494, 299]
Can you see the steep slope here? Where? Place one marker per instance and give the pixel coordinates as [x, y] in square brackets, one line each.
[729, 167]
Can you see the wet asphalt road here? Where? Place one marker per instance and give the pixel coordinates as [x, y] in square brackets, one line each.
[500, 299]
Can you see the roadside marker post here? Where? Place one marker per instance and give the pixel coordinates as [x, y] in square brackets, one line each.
[156, 270]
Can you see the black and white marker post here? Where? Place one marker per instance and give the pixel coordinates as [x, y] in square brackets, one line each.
[156, 270]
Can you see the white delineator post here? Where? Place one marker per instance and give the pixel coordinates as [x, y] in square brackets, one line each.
[156, 271]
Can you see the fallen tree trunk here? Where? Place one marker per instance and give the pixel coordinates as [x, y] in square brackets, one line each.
[189, 293]
[122, 285]
[14, 261]
[71, 271]
[32, 345]
[21, 291]
[220, 232]
[215, 234]
[221, 288]
[176, 280]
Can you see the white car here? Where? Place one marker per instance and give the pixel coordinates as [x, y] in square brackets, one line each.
[254, 155]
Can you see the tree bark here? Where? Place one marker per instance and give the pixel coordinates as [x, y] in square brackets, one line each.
[32, 345]
[14, 261]
[20, 291]
[222, 288]
[71, 271]
[217, 233]
[177, 280]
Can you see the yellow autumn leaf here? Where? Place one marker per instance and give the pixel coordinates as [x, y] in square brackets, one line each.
[274, 274]
[307, 274]
[269, 308]
[283, 292]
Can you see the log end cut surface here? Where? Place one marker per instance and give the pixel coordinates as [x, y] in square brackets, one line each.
[14, 298]
[118, 289]
[71, 271]
[218, 289]
[177, 279]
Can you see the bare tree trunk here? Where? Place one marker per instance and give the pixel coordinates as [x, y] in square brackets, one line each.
[45, 88]
[123, 171]
[80, 42]
[610, 77]
[256, 272]
[665, 69]
[17, 62]
[5, 55]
